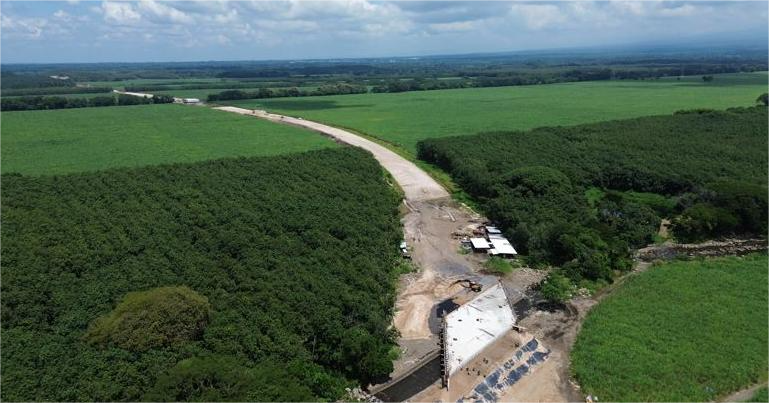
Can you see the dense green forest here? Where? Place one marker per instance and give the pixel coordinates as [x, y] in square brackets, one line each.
[251, 279]
[58, 102]
[582, 197]
[55, 91]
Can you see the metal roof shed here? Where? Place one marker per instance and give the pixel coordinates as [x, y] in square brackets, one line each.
[501, 246]
[479, 244]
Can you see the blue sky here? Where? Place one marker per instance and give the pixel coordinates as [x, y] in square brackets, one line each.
[152, 30]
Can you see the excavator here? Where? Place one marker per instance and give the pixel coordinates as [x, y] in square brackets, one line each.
[469, 284]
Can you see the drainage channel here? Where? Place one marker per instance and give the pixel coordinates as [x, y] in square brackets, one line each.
[415, 382]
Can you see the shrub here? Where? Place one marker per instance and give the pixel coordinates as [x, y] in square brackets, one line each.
[123, 99]
[556, 288]
[147, 319]
[162, 99]
[724, 208]
[763, 99]
[498, 265]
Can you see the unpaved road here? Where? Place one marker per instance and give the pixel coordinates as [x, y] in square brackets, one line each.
[744, 395]
[416, 184]
[134, 94]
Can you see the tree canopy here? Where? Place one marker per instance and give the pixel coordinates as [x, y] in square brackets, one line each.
[706, 169]
[296, 256]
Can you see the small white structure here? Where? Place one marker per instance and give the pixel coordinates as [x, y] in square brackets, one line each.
[499, 245]
[480, 244]
[190, 100]
[474, 326]
[502, 247]
[492, 230]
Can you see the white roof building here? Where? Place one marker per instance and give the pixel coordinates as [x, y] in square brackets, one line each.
[472, 327]
[501, 246]
[479, 243]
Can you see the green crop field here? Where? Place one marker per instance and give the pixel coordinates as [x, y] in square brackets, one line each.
[406, 118]
[682, 331]
[72, 140]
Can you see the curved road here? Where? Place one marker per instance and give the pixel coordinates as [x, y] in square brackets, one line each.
[416, 184]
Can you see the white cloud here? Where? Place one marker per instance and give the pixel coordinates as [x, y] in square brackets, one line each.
[685, 10]
[120, 13]
[539, 16]
[456, 26]
[637, 8]
[365, 27]
[27, 28]
[163, 13]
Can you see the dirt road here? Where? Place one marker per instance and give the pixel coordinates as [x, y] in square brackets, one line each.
[417, 185]
[743, 395]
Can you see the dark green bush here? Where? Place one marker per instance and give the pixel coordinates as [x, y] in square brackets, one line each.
[556, 288]
[763, 99]
[158, 317]
[724, 209]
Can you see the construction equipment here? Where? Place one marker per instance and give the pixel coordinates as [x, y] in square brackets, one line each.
[405, 250]
[469, 284]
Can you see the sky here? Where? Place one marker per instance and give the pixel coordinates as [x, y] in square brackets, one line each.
[153, 30]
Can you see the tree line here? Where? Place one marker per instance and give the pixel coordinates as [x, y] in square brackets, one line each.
[331, 89]
[55, 91]
[711, 165]
[282, 270]
[58, 102]
[13, 80]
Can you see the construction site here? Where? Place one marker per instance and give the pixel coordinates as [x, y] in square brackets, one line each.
[461, 333]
